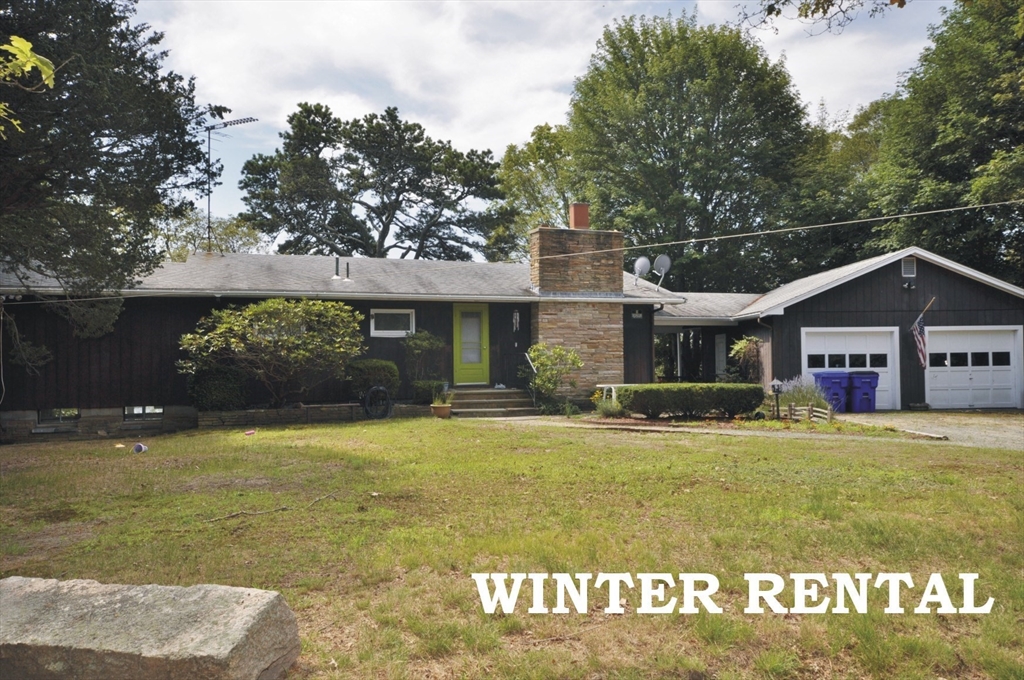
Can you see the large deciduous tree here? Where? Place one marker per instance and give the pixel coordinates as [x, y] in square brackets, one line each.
[374, 186]
[683, 132]
[111, 146]
[954, 136]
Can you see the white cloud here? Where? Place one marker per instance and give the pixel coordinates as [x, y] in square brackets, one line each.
[481, 74]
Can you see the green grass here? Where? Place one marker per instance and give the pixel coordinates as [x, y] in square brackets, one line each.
[384, 523]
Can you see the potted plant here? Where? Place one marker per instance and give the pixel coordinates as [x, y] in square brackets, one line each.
[441, 406]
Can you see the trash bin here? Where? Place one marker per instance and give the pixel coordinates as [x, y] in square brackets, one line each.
[835, 385]
[863, 385]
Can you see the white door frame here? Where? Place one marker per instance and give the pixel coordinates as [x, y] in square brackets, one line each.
[894, 346]
[1017, 360]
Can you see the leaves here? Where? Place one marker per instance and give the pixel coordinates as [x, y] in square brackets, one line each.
[288, 346]
[373, 186]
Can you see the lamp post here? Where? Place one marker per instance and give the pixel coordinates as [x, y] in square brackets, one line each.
[776, 390]
[209, 177]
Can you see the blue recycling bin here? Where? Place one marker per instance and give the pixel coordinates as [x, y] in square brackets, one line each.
[835, 385]
[863, 386]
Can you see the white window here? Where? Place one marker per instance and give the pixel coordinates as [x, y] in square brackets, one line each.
[909, 267]
[392, 323]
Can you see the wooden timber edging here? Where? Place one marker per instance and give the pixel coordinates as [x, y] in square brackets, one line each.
[317, 413]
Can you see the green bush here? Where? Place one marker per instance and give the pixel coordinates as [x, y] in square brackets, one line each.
[367, 373]
[610, 408]
[423, 391]
[552, 364]
[691, 399]
[217, 388]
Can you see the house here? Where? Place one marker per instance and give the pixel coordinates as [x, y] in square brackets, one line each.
[573, 293]
[859, 317]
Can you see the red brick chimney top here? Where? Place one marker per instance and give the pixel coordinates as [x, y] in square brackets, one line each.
[579, 216]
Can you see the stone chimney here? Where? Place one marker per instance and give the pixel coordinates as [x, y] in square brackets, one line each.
[578, 259]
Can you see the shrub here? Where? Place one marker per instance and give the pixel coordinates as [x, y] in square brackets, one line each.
[802, 391]
[217, 388]
[691, 399]
[290, 346]
[367, 373]
[610, 408]
[423, 391]
[553, 364]
[423, 352]
[747, 353]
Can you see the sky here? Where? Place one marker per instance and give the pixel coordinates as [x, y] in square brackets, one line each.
[480, 73]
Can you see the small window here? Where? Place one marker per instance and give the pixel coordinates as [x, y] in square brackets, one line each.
[143, 412]
[837, 361]
[392, 323]
[1000, 358]
[979, 358]
[937, 360]
[879, 360]
[59, 415]
[909, 267]
[958, 359]
[858, 361]
[815, 361]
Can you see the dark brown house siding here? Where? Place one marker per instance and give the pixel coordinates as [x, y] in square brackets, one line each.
[878, 299]
[135, 364]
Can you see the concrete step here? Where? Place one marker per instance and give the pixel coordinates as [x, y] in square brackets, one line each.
[495, 412]
[486, 394]
[492, 403]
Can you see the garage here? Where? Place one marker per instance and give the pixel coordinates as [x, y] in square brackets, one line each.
[855, 349]
[977, 367]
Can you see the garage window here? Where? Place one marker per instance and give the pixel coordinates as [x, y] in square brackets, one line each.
[1000, 358]
[858, 360]
[958, 359]
[979, 358]
[936, 360]
[815, 361]
[837, 361]
[879, 361]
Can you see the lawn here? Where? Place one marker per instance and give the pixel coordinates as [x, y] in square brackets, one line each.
[371, 532]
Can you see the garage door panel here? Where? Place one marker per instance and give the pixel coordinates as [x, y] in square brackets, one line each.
[854, 350]
[981, 368]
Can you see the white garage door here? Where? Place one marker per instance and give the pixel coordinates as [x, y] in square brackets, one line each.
[973, 368]
[856, 349]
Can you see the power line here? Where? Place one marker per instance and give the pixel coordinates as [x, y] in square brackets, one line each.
[448, 265]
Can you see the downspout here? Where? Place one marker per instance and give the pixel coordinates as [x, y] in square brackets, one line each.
[653, 349]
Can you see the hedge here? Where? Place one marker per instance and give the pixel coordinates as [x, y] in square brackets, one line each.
[367, 373]
[690, 399]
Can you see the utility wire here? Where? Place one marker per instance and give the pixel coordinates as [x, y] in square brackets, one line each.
[448, 266]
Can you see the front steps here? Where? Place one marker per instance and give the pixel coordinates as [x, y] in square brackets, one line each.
[487, 402]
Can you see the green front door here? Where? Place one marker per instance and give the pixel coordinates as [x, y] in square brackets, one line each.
[472, 358]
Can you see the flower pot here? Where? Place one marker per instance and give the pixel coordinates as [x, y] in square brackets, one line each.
[441, 410]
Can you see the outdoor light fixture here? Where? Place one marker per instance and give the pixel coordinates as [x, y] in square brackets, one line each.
[209, 178]
[776, 390]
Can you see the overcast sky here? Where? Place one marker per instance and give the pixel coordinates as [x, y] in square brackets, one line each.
[479, 73]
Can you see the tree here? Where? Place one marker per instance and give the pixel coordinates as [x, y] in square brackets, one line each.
[289, 346]
[372, 186]
[539, 183]
[181, 236]
[834, 15]
[683, 132]
[113, 144]
[15, 69]
[954, 136]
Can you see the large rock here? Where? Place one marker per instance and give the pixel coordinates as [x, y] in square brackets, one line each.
[80, 630]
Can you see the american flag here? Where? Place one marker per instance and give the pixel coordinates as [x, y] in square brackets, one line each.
[918, 331]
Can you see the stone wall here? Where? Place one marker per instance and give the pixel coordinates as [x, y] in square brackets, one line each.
[93, 423]
[599, 272]
[324, 413]
[594, 329]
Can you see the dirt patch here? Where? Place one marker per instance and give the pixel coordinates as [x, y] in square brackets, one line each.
[988, 429]
[219, 482]
[43, 545]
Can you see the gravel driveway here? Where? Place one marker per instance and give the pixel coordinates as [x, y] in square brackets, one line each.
[995, 429]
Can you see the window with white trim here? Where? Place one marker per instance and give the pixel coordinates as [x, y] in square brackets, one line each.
[392, 323]
[143, 412]
[909, 267]
[50, 416]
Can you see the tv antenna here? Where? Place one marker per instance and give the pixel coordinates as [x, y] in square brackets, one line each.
[209, 177]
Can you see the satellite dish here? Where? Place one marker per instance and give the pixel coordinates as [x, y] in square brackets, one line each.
[640, 268]
[662, 263]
